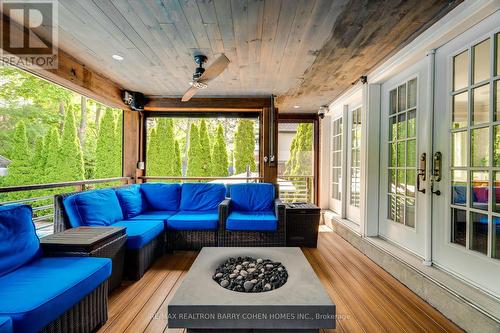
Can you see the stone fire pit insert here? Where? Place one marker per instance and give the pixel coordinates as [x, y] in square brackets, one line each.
[300, 305]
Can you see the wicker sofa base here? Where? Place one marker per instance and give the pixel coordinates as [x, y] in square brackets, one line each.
[84, 317]
[138, 261]
[252, 239]
[190, 239]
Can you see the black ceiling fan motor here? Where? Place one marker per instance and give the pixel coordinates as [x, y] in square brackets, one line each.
[200, 60]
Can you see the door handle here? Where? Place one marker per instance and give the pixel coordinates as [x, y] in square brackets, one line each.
[421, 171]
[436, 170]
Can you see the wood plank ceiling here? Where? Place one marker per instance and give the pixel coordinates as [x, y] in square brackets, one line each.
[306, 52]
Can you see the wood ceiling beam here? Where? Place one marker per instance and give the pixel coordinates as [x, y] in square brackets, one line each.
[75, 76]
[245, 104]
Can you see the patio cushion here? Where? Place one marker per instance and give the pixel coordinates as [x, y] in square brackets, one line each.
[155, 215]
[96, 208]
[140, 232]
[160, 196]
[189, 220]
[459, 194]
[131, 200]
[202, 196]
[252, 221]
[18, 240]
[6, 325]
[252, 197]
[41, 291]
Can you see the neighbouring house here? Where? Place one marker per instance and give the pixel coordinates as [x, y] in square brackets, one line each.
[4, 164]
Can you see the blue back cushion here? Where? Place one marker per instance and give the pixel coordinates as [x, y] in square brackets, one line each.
[98, 207]
[160, 196]
[18, 240]
[131, 201]
[252, 197]
[202, 196]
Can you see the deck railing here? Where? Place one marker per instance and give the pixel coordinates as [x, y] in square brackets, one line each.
[41, 197]
[225, 180]
[296, 188]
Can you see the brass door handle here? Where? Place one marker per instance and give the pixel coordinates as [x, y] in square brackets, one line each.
[421, 171]
[437, 167]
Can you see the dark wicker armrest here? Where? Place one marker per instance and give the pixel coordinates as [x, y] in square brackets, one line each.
[279, 210]
[223, 213]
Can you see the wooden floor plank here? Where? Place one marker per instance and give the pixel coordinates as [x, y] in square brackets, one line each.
[367, 298]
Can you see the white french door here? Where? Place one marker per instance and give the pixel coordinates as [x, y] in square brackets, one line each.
[466, 200]
[353, 174]
[404, 137]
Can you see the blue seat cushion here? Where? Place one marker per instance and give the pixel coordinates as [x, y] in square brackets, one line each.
[160, 196]
[189, 220]
[252, 197]
[202, 196]
[6, 325]
[140, 232]
[155, 215]
[95, 208]
[42, 290]
[131, 200]
[252, 221]
[18, 240]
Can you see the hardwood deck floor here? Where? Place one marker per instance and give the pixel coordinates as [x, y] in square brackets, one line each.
[368, 299]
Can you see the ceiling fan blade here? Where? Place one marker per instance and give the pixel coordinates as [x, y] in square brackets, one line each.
[215, 69]
[189, 93]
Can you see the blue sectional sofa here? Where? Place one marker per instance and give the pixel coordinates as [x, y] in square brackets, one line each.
[47, 294]
[252, 216]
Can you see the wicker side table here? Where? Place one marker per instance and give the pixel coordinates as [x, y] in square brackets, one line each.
[104, 242]
[302, 223]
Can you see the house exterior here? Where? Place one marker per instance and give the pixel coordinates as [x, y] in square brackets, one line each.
[425, 187]
[4, 164]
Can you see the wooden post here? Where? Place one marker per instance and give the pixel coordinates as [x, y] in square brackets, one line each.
[131, 142]
[270, 173]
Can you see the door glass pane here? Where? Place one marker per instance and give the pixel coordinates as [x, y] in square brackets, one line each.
[392, 154]
[458, 226]
[410, 213]
[479, 241]
[496, 191]
[412, 93]
[400, 209]
[401, 187]
[393, 128]
[355, 172]
[401, 153]
[410, 182]
[401, 97]
[391, 188]
[498, 54]
[411, 153]
[496, 146]
[393, 101]
[460, 70]
[402, 126]
[412, 123]
[460, 110]
[391, 207]
[496, 237]
[481, 104]
[459, 187]
[481, 61]
[480, 146]
[479, 190]
[496, 97]
[459, 149]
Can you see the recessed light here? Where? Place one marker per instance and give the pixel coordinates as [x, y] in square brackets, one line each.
[296, 106]
[117, 57]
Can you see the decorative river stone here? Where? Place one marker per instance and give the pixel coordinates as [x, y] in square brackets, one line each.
[250, 275]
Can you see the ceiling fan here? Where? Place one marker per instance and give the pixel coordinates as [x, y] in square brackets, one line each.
[202, 76]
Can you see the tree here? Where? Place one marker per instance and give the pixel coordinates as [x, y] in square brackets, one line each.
[162, 149]
[205, 153]
[300, 162]
[244, 145]
[177, 170]
[108, 149]
[220, 164]
[71, 163]
[194, 165]
[53, 156]
[39, 161]
[20, 170]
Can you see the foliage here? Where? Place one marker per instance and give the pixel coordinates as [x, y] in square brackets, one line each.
[177, 171]
[20, 168]
[220, 164]
[194, 164]
[108, 148]
[71, 162]
[53, 156]
[244, 145]
[205, 153]
[300, 162]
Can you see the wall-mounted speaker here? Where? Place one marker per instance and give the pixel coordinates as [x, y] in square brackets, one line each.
[135, 100]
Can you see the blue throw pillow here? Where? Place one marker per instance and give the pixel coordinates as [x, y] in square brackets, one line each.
[252, 197]
[202, 196]
[160, 196]
[98, 207]
[130, 199]
[18, 240]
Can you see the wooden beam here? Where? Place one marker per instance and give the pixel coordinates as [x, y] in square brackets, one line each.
[298, 117]
[75, 76]
[131, 142]
[244, 104]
